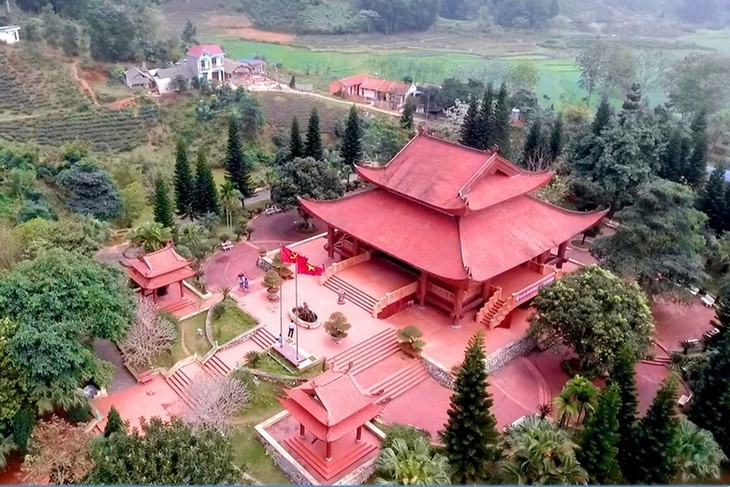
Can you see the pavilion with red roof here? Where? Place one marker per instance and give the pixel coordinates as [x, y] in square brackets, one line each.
[462, 221]
[155, 272]
[331, 410]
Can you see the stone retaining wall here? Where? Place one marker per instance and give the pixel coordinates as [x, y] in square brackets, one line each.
[241, 338]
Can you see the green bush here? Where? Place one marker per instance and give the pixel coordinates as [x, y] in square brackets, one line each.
[80, 414]
[218, 310]
[404, 432]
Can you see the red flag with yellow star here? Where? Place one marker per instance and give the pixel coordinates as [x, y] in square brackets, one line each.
[310, 269]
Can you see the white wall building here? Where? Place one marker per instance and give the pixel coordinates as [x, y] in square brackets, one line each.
[10, 34]
[208, 61]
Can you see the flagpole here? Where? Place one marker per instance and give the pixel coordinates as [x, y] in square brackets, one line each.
[296, 307]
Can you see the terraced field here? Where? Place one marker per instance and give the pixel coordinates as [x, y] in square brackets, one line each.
[280, 108]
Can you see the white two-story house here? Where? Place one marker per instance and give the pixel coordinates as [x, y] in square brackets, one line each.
[207, 61]
[9, 34]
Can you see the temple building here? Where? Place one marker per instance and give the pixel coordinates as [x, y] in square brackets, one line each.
[156, 272]
[462, 222]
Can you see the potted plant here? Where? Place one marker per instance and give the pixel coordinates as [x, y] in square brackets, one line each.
[337, 326]
[410, 340]
[272, 281]
[281, 267]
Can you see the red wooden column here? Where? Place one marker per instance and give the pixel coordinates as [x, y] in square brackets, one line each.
[358, 435]
[458, 302]
[301, 430]
[328, 451]
[422, 285]
[330, 242]
[182, 289]
[561, 254]
[355, 246]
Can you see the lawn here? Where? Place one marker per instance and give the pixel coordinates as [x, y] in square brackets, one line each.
[232, 323]
[188, 342]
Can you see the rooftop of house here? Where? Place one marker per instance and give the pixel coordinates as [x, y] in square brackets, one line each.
[253, 62]
[376, 84]
[199, 50]
[182, 69]
[6, 28]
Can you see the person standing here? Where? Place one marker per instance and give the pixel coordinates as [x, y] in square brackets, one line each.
[291, 329]
[245, 284]
[240, 282]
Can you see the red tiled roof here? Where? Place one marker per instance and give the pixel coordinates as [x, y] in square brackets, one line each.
[198, 50]
[159, 268]
[353, 80]
[480, 245]
[452, 177]
[384, 85]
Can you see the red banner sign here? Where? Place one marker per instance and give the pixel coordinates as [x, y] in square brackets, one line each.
[533, 289]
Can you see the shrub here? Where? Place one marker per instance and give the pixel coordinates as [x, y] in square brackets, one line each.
[404, 432]
[80, 414]
[337, 325]
[252, 358]
[272, 281]
[218, 310]
[411, 336]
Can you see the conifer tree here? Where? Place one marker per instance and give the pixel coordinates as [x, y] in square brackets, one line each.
[632, 102]
[671, 163]
[236, 167]
[623, 375]
[599, 443]
[502, 114]
[163, 208]
[351, 150]
[296, 147]
[485, 120]
[657, 436]
[406, 118]
[602, 118]
[292, 82]
[184, 184]
[206, 195]
[726, 227]
[533, 143]
[556, 138]
[469, 127]
[712, 200]
[313, 144]
[114, 423]
[696, 166]
[470, 435]
[722, 317]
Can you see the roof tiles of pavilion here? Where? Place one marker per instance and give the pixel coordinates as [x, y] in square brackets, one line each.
[454, 212]
[158, 269]
[331, 406]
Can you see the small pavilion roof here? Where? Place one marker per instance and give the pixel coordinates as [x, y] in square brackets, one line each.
[160, 268]
[451, 177]
[331, 405]
[479, 245]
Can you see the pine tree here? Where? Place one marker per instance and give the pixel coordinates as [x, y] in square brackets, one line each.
[712, 200]
[599, 443]
[696, 166]
[206, 195]
[406, 118]
[623, 375]
[657, 436]
[236, 167]
[722, 318]
[502, 113]
[470, 436]
[727, 208]
[602, 118]
[485, 120]
[163, 208]
[351, 150]
[556, 138]
[533, 143]
[313, 144]
[292, 82]
[296, 148]
[469, 127]
[184, 184]
[114, 423]
[632, 102]
[671, 162]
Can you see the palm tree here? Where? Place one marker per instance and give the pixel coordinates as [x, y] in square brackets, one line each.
[412, 463]
[699, 456]
[230, 200]
[538, 452]
[578, 396]
[7, 446]
[151, 236]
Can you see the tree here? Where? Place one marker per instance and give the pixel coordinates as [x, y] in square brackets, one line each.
[659, 242]
[623, 376]
[485, 120]
[722, 316]
[58, 453]
[406, 118]
[600, 440]
[502, 113]
[134, 200]
[293, 82]
[657, 438]
[90, 191]
[236, 166]
[184, 184]
[114, 423]
[163, 453]
[81, 234]
[696, 167]
[590, 61]
[470, 126]
[537, 452]
[532, 149]
[151, 236]
[602, 118]
[296, 148]
[206, 196]
[383, 138]
[712, 200]
[406, 463]
[351, 151]
[230, 199]
[306, 178]
[578, 398]
[556, 139]
[699, 82]
[470, 436]
[215, 401]
[652, 66]
[607, 67]
[699, 457]
[524, 74]
[149, 335]
[13, 392]
[188, 34]
[163, 207]
[313, 144]
[595, 313]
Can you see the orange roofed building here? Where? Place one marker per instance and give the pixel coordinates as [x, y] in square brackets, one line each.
[462, 221]
[155, 272]
[376, 91]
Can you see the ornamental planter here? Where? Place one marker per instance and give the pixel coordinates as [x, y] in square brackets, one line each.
[273, 295]
[409, 350]
[310, 325]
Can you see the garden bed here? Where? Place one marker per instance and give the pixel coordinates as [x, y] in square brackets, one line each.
[231, 323]
[188, 342]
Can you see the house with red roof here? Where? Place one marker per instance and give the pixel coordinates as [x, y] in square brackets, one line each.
[376, 91]
[207, 61]
[463, 223]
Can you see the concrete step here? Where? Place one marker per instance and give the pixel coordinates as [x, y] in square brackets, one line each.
[263, 338]
[183, 303]
[180, 387]
[352, 294]
[367, 353]
[216, 367]
[401, 382]
[330, 470]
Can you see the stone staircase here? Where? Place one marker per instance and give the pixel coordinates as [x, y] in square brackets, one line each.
[329, 470]
[400, 382]
[216, 367]
[367, 353]
[180, 383]
[263, 338]
[352, 294]
[183, 303]
[495, 315]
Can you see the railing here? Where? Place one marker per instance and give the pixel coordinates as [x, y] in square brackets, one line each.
[393, 297]
[342, 265]
[496, 296]
[441, 292]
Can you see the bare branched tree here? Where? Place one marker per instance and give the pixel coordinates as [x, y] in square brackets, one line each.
[214, 401]
[540, 161]
[58, 453]
[150, 335]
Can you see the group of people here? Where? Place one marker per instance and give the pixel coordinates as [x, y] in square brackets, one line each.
[243, 284]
